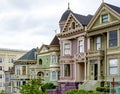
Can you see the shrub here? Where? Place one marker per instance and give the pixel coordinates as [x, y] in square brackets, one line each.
[48, 86]
[103, 89]
[75, 91]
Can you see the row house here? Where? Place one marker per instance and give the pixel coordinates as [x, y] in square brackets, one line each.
[73, 48]
[47, 67]
[103, 56]
[21, 70]
[7, 57]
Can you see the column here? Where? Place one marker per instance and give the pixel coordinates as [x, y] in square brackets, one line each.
[98, 69]
[85, 70]
[88, 70]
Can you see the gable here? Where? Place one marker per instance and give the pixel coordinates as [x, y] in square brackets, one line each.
[44, 48]
[97, 20]
[71, 23]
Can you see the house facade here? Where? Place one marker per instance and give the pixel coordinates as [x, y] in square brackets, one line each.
[73, 48]
[103, 56]
[7, 57]
[21, 70]
[47, 67]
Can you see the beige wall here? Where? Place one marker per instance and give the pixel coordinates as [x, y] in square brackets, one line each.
[7, 54]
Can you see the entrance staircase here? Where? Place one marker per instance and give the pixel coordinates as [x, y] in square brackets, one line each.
[90, 85]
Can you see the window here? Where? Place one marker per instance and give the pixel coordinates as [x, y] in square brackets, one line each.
[104, 18]
[81, 46]
[67, 49]
[98, 42]
[54, 59]
[1, 84]
[113, 38]
[67, 70]
[113, 66]
[0, 76]
[24, 82]
[18, 70]
[54, 75]
[23, 70]
[73, 25]
[11, 60]
[0, 67]
[18, 83]
[40, 61]
[1, 60]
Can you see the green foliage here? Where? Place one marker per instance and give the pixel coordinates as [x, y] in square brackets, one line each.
[75, 91]
[32, 87]
[2, 92]
[103, 89]
[48, 86]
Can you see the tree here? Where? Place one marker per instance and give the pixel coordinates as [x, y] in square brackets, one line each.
[32, 87]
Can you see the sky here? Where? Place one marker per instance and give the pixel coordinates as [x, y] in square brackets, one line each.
[27, 24]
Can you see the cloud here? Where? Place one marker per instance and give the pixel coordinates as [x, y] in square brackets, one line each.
[29, 23]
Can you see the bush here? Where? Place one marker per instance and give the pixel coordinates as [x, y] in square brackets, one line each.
[48, 86]
[103, 89]
[75, 91]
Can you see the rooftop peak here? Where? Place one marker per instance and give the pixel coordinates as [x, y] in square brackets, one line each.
[68, 5]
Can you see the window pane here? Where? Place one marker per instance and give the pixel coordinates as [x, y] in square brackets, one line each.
[104, 18]
[81, 46]
[53, 75]
[67, 48]
[67, 69]
[113, 66]
[98, 42]
[113, 38]
[113, 71]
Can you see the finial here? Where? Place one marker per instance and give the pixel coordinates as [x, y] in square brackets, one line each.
[68, 5]
[102, 1]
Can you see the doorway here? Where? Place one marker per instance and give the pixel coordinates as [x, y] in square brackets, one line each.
[95, 71]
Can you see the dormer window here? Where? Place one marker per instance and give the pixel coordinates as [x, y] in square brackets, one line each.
[104, 18]
[73, 25]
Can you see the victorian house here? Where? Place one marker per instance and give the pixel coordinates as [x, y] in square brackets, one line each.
[21, 70]
[47, 67]
[73, 48]
[103, 33]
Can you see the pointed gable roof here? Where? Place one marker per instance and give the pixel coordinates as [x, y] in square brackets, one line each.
[84, 20]
[55, 41]
[115, 8]
[112, 8]
[30, 55]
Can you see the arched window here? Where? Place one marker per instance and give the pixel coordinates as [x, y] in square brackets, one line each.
[40, 61]
[73, 25]
[54, 75]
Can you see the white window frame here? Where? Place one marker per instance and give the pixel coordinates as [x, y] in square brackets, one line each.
[104, 20]
[11, 60]
[98, 42]
[55, 76]
[67, 51]
[19, 70]
[81, 46]
[113, 66]
[53, 59]
[1, 60]
[1, 84]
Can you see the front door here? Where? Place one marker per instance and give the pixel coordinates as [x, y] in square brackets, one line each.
[95, 71]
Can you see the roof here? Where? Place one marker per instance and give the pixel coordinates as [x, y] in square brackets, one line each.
[65, 15]
[115, 8]
[30, 55]
[84, 20]
[55, 41]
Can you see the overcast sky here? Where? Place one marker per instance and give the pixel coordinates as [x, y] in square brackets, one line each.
[26, 24]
